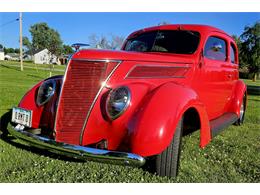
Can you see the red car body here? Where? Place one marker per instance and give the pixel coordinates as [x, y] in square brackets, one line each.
[164, 87]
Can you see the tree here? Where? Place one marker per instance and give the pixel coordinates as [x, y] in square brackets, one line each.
[1, 46]
[16, 50]
[242, 61]
[67, 49]
[93, 40]
[103, 43]
[99, 42]
[9, 50]
[117, 42]
[28, 45]
[250, 48]
[45, 37]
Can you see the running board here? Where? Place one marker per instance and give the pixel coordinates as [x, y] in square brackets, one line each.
[220, 123]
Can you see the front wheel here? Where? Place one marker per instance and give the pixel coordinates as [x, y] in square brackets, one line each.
[167, 163]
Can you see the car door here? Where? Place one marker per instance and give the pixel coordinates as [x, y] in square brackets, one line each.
[214, 76]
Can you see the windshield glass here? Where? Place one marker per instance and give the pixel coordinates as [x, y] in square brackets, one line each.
[170, 41]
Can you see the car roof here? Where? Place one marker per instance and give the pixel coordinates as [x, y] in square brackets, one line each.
[193, 27]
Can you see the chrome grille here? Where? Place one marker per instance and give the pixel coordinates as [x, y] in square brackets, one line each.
[82, 83]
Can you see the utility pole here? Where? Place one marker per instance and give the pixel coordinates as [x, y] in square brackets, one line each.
[21, 40]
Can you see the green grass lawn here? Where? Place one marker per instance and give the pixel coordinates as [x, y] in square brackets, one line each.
[252, 83]
[232, 156]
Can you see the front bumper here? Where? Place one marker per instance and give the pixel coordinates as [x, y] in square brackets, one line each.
[78, 152]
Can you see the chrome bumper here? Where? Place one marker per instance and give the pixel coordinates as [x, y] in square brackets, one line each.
[78, 152]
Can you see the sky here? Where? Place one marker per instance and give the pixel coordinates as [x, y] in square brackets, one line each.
[78, 27]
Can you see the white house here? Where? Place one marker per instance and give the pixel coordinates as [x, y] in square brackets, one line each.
[45, 57]
[2, 55]
[12, 56]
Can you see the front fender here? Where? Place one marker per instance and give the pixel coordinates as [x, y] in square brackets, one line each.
[155, 122]
[29, 102]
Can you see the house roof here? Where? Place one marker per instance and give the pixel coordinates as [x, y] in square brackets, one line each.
[13, 54]
[38, 51]
[34, 52]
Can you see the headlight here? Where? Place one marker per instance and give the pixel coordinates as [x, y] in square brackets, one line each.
[117, 102]
[45, 92]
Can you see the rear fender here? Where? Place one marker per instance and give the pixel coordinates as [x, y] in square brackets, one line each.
[237, 97]
[154, 124]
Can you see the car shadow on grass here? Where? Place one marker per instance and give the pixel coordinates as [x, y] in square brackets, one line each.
[4, 136]
[14, 142]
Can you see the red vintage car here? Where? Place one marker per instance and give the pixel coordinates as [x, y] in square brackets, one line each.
[133, 106]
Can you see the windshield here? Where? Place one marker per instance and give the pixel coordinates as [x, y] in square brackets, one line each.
[170, 41]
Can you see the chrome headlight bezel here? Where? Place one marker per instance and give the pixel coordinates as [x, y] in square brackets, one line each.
[45, 92]
[111, 99]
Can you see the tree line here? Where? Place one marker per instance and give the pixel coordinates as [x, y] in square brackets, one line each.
[249, 49]
[9, 50]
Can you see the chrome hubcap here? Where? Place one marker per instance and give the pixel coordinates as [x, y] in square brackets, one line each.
[241, 111]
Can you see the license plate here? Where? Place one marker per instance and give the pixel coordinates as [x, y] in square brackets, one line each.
[22, 116]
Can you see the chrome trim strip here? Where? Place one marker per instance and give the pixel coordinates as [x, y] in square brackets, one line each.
[159, 77]
[95, 99]
[95, 60]
[61, 90]
[78, 152]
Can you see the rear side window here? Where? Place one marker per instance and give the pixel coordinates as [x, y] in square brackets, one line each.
[232, 53]
[215, 49]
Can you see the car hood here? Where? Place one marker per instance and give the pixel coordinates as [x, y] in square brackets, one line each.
[96, 54]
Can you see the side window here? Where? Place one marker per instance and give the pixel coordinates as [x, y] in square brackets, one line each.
[215, 49]
[232, 54]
